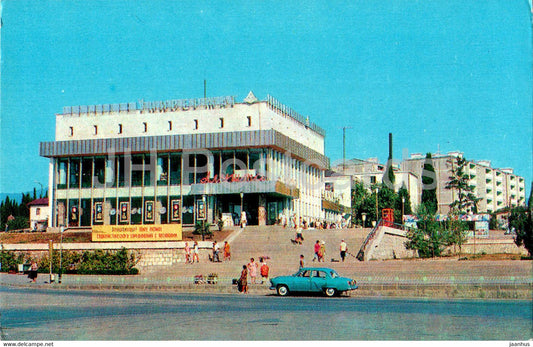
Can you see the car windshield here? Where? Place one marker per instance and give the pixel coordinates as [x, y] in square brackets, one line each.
[333, 274]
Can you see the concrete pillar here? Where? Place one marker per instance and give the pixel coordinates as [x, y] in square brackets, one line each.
[262, 215]
[61, 214]
[106, 209]
[157, 214]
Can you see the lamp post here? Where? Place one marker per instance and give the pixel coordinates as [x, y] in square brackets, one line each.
[41, 194]
[203, 219]
[363, 216]
[403, 202]
[240, 219]
[377, 211]
[60, 256]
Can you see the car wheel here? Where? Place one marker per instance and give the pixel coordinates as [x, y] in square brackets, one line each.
[282, 290]
[330, 292]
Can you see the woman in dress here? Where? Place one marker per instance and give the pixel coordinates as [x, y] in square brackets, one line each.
[244, 279]
[227, 252]
[252, 269]
[187, 253]
[33, 271]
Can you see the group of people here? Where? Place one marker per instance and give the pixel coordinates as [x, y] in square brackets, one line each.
[251, 270]
[313, 224]
[216, 252]
[320, 251]
[192, 254]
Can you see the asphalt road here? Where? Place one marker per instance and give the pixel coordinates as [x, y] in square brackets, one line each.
[37, 314]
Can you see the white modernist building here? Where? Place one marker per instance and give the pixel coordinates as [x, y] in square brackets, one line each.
[496, 188]
[183, 161]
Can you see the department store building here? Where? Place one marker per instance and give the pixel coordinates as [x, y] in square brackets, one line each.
[183, 161]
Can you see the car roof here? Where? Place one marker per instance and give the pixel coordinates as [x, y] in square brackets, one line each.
[317, 268]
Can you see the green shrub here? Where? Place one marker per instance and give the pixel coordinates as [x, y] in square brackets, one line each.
[96, 262]
[10, 259]
[108, 263]
[202, 228]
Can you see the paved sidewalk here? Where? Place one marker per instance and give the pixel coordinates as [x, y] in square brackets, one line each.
[374, 277]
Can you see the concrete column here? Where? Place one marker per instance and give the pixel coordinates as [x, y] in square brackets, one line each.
[157, 215]
[105, 210]
[262, 215]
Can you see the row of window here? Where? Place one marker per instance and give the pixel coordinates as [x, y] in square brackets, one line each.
[145, 126]
[166, 169]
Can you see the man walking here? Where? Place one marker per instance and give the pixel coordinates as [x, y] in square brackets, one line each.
[317, 250]
[343, 249]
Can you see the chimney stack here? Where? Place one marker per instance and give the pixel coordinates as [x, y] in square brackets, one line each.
[390, 145]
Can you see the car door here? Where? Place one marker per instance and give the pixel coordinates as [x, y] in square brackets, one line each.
[318, 280]
[301, 282]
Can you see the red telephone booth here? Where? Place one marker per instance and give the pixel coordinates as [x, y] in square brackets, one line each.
[387, 215]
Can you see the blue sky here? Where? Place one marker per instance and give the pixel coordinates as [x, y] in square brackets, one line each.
[448, 75]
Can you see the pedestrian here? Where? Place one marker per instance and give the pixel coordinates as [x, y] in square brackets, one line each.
[302, 264]
[227, 252]
[243, 280]
[317, 250]
[243, 219]
[252, 270]
[343, 249]
[187, 253]
[216, 252]
[299, 237]
[322, 251]
[195, 252]
[264, 270]
[33, 271]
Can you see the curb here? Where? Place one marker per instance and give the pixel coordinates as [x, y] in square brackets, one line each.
[433, 291]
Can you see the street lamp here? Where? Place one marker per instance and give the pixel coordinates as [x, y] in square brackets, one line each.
[403, 202]
[363, 215]
[60, 256]
[242, 196]
[41, 194]
[377, 211]
[204, 217]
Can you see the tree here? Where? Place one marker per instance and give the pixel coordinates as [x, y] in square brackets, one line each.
[359, 195]
[431, 237]
[429, 186]
[521, 220]
[466, 200]
[406, 204]
[388, 177]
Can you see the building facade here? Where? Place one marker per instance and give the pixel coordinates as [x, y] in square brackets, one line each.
[496, 188]
[371, 172]
[183, 161]
[39, 214]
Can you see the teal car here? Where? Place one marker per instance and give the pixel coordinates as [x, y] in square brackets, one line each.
[313, 279]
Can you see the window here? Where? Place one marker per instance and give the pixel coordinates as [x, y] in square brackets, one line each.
[221, 122]
[249, 118]
[145, 126]
[169, 125]
[196, 124]
[38, 211]
[71, 131]
[95, 129]
[120, 128]
[321, 274]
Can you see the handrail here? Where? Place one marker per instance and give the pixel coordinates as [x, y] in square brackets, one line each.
[371, 234]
